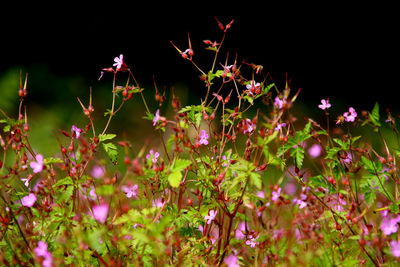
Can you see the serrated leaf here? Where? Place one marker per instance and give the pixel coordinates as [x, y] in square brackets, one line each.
[255, 179]
[111, 151]
[64, 181]
[181, 164]
[104, 137]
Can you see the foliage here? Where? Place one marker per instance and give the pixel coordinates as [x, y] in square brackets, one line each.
[222, 187]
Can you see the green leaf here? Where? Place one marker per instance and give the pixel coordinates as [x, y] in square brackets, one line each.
[65, 181]
[111, 151]
[105, 190]
[104, 137]
[299, 156]
[181, 164]
[174, 178]
[255, 179]
[374, 115]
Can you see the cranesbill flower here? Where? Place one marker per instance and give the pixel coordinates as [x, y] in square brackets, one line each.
[203, 138]
[315, 150]
[156, 117]
[100, 212]
[390, 225]
[279, 126]
[76, 131]
[211, 216]
[395, 248]
[97, 172]
[351, 115]
[279, 103]
[231, 261]
[38, 165]
[276, 194]
[130, 190]
[324, 104]
[29, 200]
[153, 156]
[41, 251]
[118, 62]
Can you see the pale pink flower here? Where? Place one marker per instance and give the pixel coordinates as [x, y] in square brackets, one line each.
[251, 241]
[37, 165]
[210, 216]
[395, 248]
[315, 151]
[351, 115]
[76, 131]
[248, 126]
[118, 62]
[231, 261]
[130, 190]
[41, 251]
[324, 104]
[29, 200]
[97, 171]
[156, 117]
[241, 230]
[390, 225]
[203, 136]
[276, 194]
[279, 126]
[279, 103]
[100, 212]
[159, 203]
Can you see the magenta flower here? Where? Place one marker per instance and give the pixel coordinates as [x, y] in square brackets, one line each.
[279, 126]
[203, 138]
[231, 261]
[324, 104]
[395, 248]
[315, 150]
[156, 117]
[153, 156]
[118, 62]
[248, 126]
[251, 241]
[38, 165]
[211, 216]
[351, 115]
[41, 251]
[29, 200]
[100, 212]
[158, 203]
[76, 131]
[241, 230]
[130, 190]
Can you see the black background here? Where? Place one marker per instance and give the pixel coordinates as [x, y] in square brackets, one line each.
[346, 54]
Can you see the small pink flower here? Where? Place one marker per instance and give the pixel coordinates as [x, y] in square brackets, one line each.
[390, 225]
[38, 165]
[130, 190]
[279, 126]
[395, 248]
[324, 104]
[153, 156]
[240, 231]
[276, 194]
[29, 200]
[315, 150]
[156, 117]
[97, 171]
[251, 241]
[351, 115]
[231, 261]
[158, 203]
[118, 62]
[211, 216]
[76, 131]
[248, 126]
[279, 103]
[100, 212]
[203, 138]
[41, 251]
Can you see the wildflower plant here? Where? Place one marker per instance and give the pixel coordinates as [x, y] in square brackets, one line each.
[235, 180]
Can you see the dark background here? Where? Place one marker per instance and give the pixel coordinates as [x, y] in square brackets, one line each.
[347, 54]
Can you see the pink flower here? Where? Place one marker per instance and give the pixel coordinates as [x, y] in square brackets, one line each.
[241, 229]
[153, 156]
[279, 103]
[41, 251]
[324, 104]
[130, 190]
[156, 117]
[97, 172]
[251, 241]
[118, 62]
[100, 212]
[279, 126]
[76, 131]
[395, 248]
[351, 115]
[390, 225]
[231, 261]
[158, 203]
[248, 126]
[211, 216]
[276, 194]
[38, 165]
[203, 138]
[29, 200]
[315, 150]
